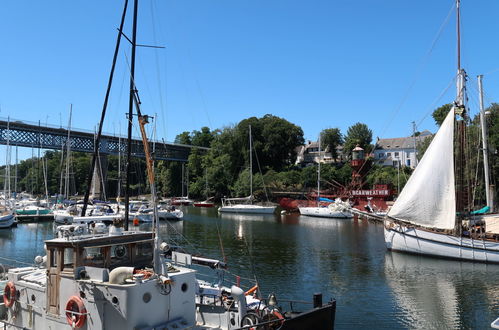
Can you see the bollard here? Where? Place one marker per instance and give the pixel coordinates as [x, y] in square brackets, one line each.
[317, 300]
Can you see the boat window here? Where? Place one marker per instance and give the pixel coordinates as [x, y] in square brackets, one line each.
[119, 253]
[144, 250]
[94, 256]
[68, 258]
[53, 258]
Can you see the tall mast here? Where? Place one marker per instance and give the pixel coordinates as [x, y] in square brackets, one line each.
[251, 162]
[68, 153]
[130, 112]
[103, 114]
[460, 72]
[484, 144]
[319, 176]
[462, 195]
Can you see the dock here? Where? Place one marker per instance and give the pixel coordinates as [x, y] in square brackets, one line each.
[368, 216]
[34, 218]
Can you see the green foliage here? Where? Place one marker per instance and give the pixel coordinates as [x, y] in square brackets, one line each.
[331, 138]
[183, 138]
[274, 141]
[358, 134]
[440, 113]
[423, 145]
[388, 175]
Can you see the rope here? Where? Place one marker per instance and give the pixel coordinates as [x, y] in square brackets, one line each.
[419, 70]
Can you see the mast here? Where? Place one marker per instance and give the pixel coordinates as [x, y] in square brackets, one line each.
[103, 114]
[68, 153]
[319, 176]
[484, 144]
[251, 162]
[460, 162]
[130, 112]
[415, 144]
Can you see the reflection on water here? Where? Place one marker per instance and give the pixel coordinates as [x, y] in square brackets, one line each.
[432, 293]
[296, 257]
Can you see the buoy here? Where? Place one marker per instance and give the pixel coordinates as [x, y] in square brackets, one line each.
[76, 313]
[9, 294]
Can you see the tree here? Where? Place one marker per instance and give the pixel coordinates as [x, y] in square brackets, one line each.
[358, 134]
[440, 113]
[331, 138]
[202, 138]
[274, 141]
[183, 138]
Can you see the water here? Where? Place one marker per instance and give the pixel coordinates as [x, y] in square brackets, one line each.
[297, 256]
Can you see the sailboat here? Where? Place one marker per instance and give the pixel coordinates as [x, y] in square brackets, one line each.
[6, 215]
[337, 209]
[124, 279]
[429, 216]
[245, 204]
[208, 202]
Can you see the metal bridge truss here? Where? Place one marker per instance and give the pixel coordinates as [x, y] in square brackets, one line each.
[18, 133]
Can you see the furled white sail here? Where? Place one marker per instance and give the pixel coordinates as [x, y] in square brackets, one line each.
[429, 199]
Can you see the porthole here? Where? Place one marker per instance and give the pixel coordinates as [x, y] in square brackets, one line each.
[146, 297]
[33, 298]
[115, 300]
[184, 287]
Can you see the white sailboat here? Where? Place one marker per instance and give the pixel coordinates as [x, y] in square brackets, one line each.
[338, 209]
[424, 219]
[6, 215]
[245, 204]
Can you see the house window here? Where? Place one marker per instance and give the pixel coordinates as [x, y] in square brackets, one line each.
[396, 163]
[388, 154]
[381, 155]
[396, 154]
[408, 162]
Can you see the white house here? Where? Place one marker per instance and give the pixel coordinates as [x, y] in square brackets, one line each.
[309, 154]
[399, 151]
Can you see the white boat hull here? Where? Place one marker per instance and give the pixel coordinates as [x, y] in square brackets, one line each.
[170, 215]
[417, 241]
[252, 209]
[6, 221]
[324, 212]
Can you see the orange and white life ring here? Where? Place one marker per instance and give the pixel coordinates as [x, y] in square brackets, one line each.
[9, 294]
[76, 313]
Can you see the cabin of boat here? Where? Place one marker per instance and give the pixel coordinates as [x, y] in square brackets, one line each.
[99, 282]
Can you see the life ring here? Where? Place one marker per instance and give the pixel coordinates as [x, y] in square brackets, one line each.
[9, 294]
[76, 313]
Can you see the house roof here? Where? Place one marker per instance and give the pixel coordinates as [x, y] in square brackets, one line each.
[401, 143]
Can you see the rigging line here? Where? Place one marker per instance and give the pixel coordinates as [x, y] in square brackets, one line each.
[156, 57]
[221, 242]
[432, 107]
[252, 265]
[261, 174]
[419, 71]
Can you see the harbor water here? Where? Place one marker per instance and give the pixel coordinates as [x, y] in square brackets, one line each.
[296, 256]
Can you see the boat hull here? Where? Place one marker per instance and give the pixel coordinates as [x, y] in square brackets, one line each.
[6, 221]
[204, 204]
[251, 209]
[324, 212]
[170, 215]
[416, 241]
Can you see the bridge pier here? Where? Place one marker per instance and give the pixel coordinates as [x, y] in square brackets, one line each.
[99, 178]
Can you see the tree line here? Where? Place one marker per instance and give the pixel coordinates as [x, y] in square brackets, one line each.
[223, 170]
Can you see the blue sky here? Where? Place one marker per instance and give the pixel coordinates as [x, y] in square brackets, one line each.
[318, 64]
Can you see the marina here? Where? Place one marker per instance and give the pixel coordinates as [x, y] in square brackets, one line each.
[345, 260]
[271, 229]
